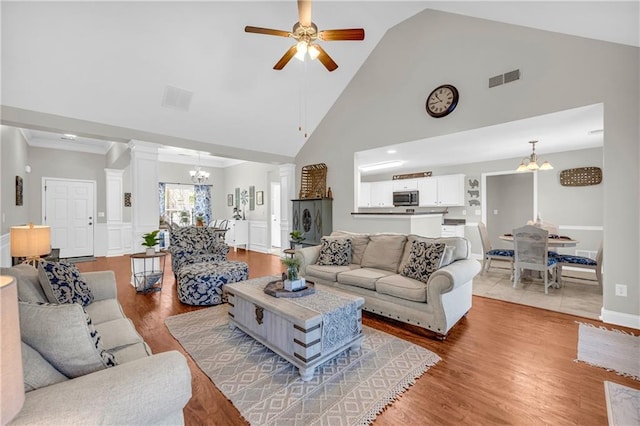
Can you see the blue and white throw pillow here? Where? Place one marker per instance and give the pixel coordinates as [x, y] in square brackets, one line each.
[335, 251]
[424, 260]
[61, 283]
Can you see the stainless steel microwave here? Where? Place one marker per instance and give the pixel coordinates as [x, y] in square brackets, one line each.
[405, 198]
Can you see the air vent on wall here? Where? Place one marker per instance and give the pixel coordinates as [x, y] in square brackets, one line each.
[505, 78]
[177, 98]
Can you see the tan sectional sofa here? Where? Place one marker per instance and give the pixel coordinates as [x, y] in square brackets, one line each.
[375, 273]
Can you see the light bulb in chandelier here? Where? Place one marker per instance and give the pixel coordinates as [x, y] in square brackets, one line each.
[301, 50]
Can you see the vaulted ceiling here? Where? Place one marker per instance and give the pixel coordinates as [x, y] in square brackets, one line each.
[101, 70]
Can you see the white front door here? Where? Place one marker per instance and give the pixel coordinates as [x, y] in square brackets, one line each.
[69, 210]
[275, 215]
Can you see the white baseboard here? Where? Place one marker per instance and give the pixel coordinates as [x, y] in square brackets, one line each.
[620, 318]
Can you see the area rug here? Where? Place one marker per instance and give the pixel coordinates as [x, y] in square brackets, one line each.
[614, 350]
[623, 404]
[351, 389]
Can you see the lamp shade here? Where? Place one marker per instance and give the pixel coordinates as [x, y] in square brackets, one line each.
[11, 378]
[30, 240]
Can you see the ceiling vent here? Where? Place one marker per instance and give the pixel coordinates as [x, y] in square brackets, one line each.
[176, 98]
[505, 78]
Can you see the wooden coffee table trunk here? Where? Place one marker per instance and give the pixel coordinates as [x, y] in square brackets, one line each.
[292, 331]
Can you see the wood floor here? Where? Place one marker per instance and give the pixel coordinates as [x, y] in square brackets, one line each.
[502, 364]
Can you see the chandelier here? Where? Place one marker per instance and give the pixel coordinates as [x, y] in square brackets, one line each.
[198, 175]
[531, 163]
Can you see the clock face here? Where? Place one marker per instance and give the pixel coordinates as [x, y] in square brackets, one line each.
[442, 101]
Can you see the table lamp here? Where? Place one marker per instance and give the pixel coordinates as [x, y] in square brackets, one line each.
[30, 241]
[11, 378]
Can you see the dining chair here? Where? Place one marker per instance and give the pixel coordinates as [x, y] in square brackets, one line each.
[581, 262]
[221, 230]
[532, 253]
[213, 223]
[489, 253]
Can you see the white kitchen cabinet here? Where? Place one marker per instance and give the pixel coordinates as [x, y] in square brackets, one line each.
[452, 231]
[441, 191]
[364, 194]
[405, 185]
[381, 194]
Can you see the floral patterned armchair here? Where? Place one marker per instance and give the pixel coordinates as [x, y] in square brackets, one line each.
[195, 244]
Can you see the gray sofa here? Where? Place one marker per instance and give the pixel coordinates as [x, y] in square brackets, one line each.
[375, 272]
[68, 354]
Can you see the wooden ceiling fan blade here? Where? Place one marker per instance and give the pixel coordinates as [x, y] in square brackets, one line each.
[268, 31]
[343, 34]
[304, 12]
[285, 58]
[326, 60]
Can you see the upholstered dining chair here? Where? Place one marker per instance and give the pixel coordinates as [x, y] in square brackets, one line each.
[581, 262]
[489, 253]
[532, 253]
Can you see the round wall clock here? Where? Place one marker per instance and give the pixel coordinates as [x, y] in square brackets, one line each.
[442, 101]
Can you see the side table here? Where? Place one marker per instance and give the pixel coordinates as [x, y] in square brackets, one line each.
[289, 252]
[148, 271]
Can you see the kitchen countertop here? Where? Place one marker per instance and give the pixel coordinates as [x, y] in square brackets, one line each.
[397, 213]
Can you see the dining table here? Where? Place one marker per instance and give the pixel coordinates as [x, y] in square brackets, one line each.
[553, 240]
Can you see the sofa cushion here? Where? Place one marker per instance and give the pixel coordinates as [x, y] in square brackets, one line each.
[363, 277]
[131, 352]
[358, 244]
[327, 273]
[384, 251]
[38, 373]
[335, 251]
[62, 283]
[447, 256]
[104, 310]
[29, 288]
[64, 335]
[402, 287]
[425, 258]
[118, 333]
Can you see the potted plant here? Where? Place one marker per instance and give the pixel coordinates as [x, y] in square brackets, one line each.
[297, 238]
[199, 220]
[292, 264]
[184, 217]
[150, 240]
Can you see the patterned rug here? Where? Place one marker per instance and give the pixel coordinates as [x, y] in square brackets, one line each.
[351, 389]
[623, 404]
[613, 350]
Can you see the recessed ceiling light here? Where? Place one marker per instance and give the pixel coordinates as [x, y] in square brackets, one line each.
[391, 151]
[379, 166]
[69, 136]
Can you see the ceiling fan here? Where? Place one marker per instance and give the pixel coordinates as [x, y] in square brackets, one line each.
[306, 34]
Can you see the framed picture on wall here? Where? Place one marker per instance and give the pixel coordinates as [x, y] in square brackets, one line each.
[18, 191]
[260, 198]
[229, 200]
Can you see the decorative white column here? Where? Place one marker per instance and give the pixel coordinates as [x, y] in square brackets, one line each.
[287, 193]
[144, 190]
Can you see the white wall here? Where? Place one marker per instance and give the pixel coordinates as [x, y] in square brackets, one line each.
[384, 104]
[14, 158]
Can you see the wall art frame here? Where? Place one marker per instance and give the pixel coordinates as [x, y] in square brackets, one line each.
[260, 198]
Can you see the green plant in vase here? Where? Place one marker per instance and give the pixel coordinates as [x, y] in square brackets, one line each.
[297, 237]
[293, 265]
[150, 240]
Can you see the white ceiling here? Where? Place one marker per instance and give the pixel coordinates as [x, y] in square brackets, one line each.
[110, 62]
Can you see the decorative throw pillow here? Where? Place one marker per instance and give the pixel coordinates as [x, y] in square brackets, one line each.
[424, 259]
[38, 373]
[65, 337]
[62, 283]
[447, 256]
[335, 251]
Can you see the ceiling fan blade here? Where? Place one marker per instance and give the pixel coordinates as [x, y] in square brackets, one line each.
[285, 58]
[326, 59]
[267, 31]
[304, 12]
[344, 34]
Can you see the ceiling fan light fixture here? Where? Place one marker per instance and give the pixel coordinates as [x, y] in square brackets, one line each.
[301, 50]
[313, 51]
